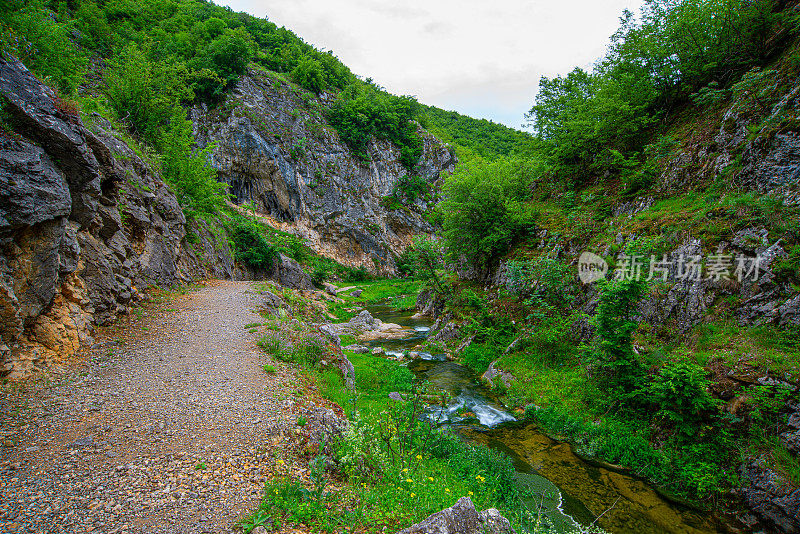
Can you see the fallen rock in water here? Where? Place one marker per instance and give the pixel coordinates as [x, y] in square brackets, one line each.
[386, 332]
[377, 351]
[462, 518]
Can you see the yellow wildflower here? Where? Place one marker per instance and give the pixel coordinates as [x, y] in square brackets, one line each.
[409, 480]
[413, 494]
[430, 479]
[470, 494]
[419, 457]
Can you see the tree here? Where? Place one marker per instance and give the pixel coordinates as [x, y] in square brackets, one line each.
[427, 255]
[145, 94]
[484, 209]
[230, 53]
[309, 74]
[615, 326]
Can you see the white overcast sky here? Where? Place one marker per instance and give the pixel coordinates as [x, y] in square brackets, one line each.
[478, 57]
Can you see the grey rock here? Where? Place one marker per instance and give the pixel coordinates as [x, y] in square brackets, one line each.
[750, 239]
[794, 421]
[330, 288]
[358, 349]
[81, 443]
[290, 274]
[792, 441]
[494, 373]
[32, 189]
[33, 106]
[327, 194]
[772, 498]
[271, 302]
[357, 293]
[462, 518]
[377, 351]
[322, 426]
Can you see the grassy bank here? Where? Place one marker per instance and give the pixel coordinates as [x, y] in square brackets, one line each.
[389, 469]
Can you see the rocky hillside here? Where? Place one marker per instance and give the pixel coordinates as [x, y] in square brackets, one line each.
[274, 148]
[86, 225]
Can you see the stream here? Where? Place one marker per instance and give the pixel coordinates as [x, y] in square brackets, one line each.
[571, 492]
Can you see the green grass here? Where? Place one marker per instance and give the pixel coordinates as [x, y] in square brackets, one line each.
[425, 471]
[269, 368]
[376, 291]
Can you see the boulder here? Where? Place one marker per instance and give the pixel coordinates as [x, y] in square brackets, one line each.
[330, 288]
[378, 351]
[462, 518]
[494, 373]
[770, 496]
[290, 274]
[322, 426]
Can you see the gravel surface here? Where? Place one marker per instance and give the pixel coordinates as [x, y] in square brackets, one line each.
[170, 425]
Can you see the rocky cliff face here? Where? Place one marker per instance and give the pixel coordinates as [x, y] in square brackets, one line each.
[274, 148]
[85, 225]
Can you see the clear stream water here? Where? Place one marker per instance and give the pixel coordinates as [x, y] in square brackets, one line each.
[571, 491]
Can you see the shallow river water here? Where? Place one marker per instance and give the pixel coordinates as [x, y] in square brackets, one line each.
[570, 490]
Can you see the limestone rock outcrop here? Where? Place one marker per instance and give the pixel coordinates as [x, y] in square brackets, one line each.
[85, 225]
[462, 518]
[275, 149]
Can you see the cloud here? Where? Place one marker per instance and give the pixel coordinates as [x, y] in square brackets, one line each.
[473, 56]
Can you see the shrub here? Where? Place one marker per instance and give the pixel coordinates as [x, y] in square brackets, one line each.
[680, 394]
[309, 74]
[188, 169]
[613, 352]
[45, 43]
[362, 111]
[146, 95]
[251, 247]
[229, 54]
[479, 212]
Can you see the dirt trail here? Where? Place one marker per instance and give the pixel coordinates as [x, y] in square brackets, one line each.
[166, 430]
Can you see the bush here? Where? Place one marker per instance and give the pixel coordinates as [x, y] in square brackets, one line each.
[251, 247]
[479, 210]
[229, 54]
[362, 111]
[680, 394]
[188, 170]
[45, 43]
[146, 95]
[617, 364]
[309, 74]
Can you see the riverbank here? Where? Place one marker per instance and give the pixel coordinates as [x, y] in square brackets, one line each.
[390, 469]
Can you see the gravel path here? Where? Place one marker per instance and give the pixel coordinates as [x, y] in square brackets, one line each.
[171, 426]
